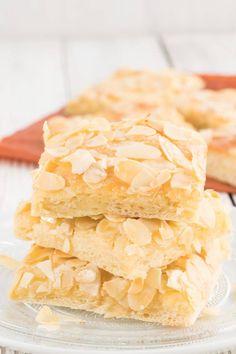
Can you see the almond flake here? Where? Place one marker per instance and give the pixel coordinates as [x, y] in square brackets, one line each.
[116, 287]
[90, 288]
[137, 232]
[46, 269]
[154, 278]
[182, 181]
[142, 181]
[166, 230]
[175, 279]
[99, 124]
[26, 279]
[126, 170]
[136, 286]
[177, 133]
[48, 181]
[74, 142]
[99, 140]
[173, 153]
[141, 130]
[86, 276]
[60, 151]
[66, 246]
[137, 150]
[80, 161]
[114, 218]
[138, 302]
[94, 175]
[206, 214]
[107, 227]
[46, 316]
[86, 223]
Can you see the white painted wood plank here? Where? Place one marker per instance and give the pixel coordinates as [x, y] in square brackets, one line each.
[32, 82]
[212, 53]
[92, 60]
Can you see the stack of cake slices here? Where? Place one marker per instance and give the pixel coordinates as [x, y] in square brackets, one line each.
[121, 223]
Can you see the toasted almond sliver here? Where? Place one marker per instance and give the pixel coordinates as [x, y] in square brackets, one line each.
[142, 180]
[114, 218]
[107, 227]
[137, 232]
[154, 278]
[48, 181]
[98, 140]
[140, 301]
[127, 169]
[137, 150]
[166, 230]
[206, 214]
[94, 175]
[46, 316]
[74, 142]
[66, 246]
[60, 151]
[182, 181]
[46, 268]
[25, 280]
[86, 276]
[177, 133]
[80, 161]
[173, 153]
[141, 130]
[136, 286]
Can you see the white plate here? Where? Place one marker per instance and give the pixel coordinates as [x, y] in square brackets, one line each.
[19, 330]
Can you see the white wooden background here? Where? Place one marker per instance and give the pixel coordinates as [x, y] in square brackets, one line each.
[38, 75]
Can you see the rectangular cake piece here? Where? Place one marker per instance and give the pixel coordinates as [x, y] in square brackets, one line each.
[136, 168]
[173, 295]
[123, 246]
[221, 148]
[208, 109]
[136, 92]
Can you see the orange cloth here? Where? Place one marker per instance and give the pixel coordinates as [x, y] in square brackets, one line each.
[27, 144]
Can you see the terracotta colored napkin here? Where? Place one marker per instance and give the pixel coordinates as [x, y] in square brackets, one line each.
[26, 144]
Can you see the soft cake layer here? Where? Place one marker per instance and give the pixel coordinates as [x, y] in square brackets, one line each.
[209, 109]
[173, 295]
[142, 168]
[123, 246]
[221, 148]
[136, 93]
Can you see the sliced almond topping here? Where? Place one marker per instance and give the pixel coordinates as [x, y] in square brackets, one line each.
[74, 142]
[43, 288]
[206, 214]
[182, 181]
[66, 246]
[86, 223]
[80, 161]
[138, 150]
[114, 218]
[86, 276]
[142, 181]
[166, 230]
[136, 286]
[46, 269]
[154, 278]
[137, 232]
[60, 151]
[26, 279]
[94, 175]
[175, 279]
[126, 170]
[99, 140]
[48, 219]
[48, 181]
[99, 124]
[46, 316]
[107, 227]
[141, 130]
[177, 133]
[138, 302]
[173, 153]
[46, 131]
[116, 288]
[92, 288]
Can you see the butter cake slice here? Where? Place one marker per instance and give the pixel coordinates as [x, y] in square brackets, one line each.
[221, 158]
[136, 168]
[173, 295]
[209, 109]
[123, 246]
[135, 92]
